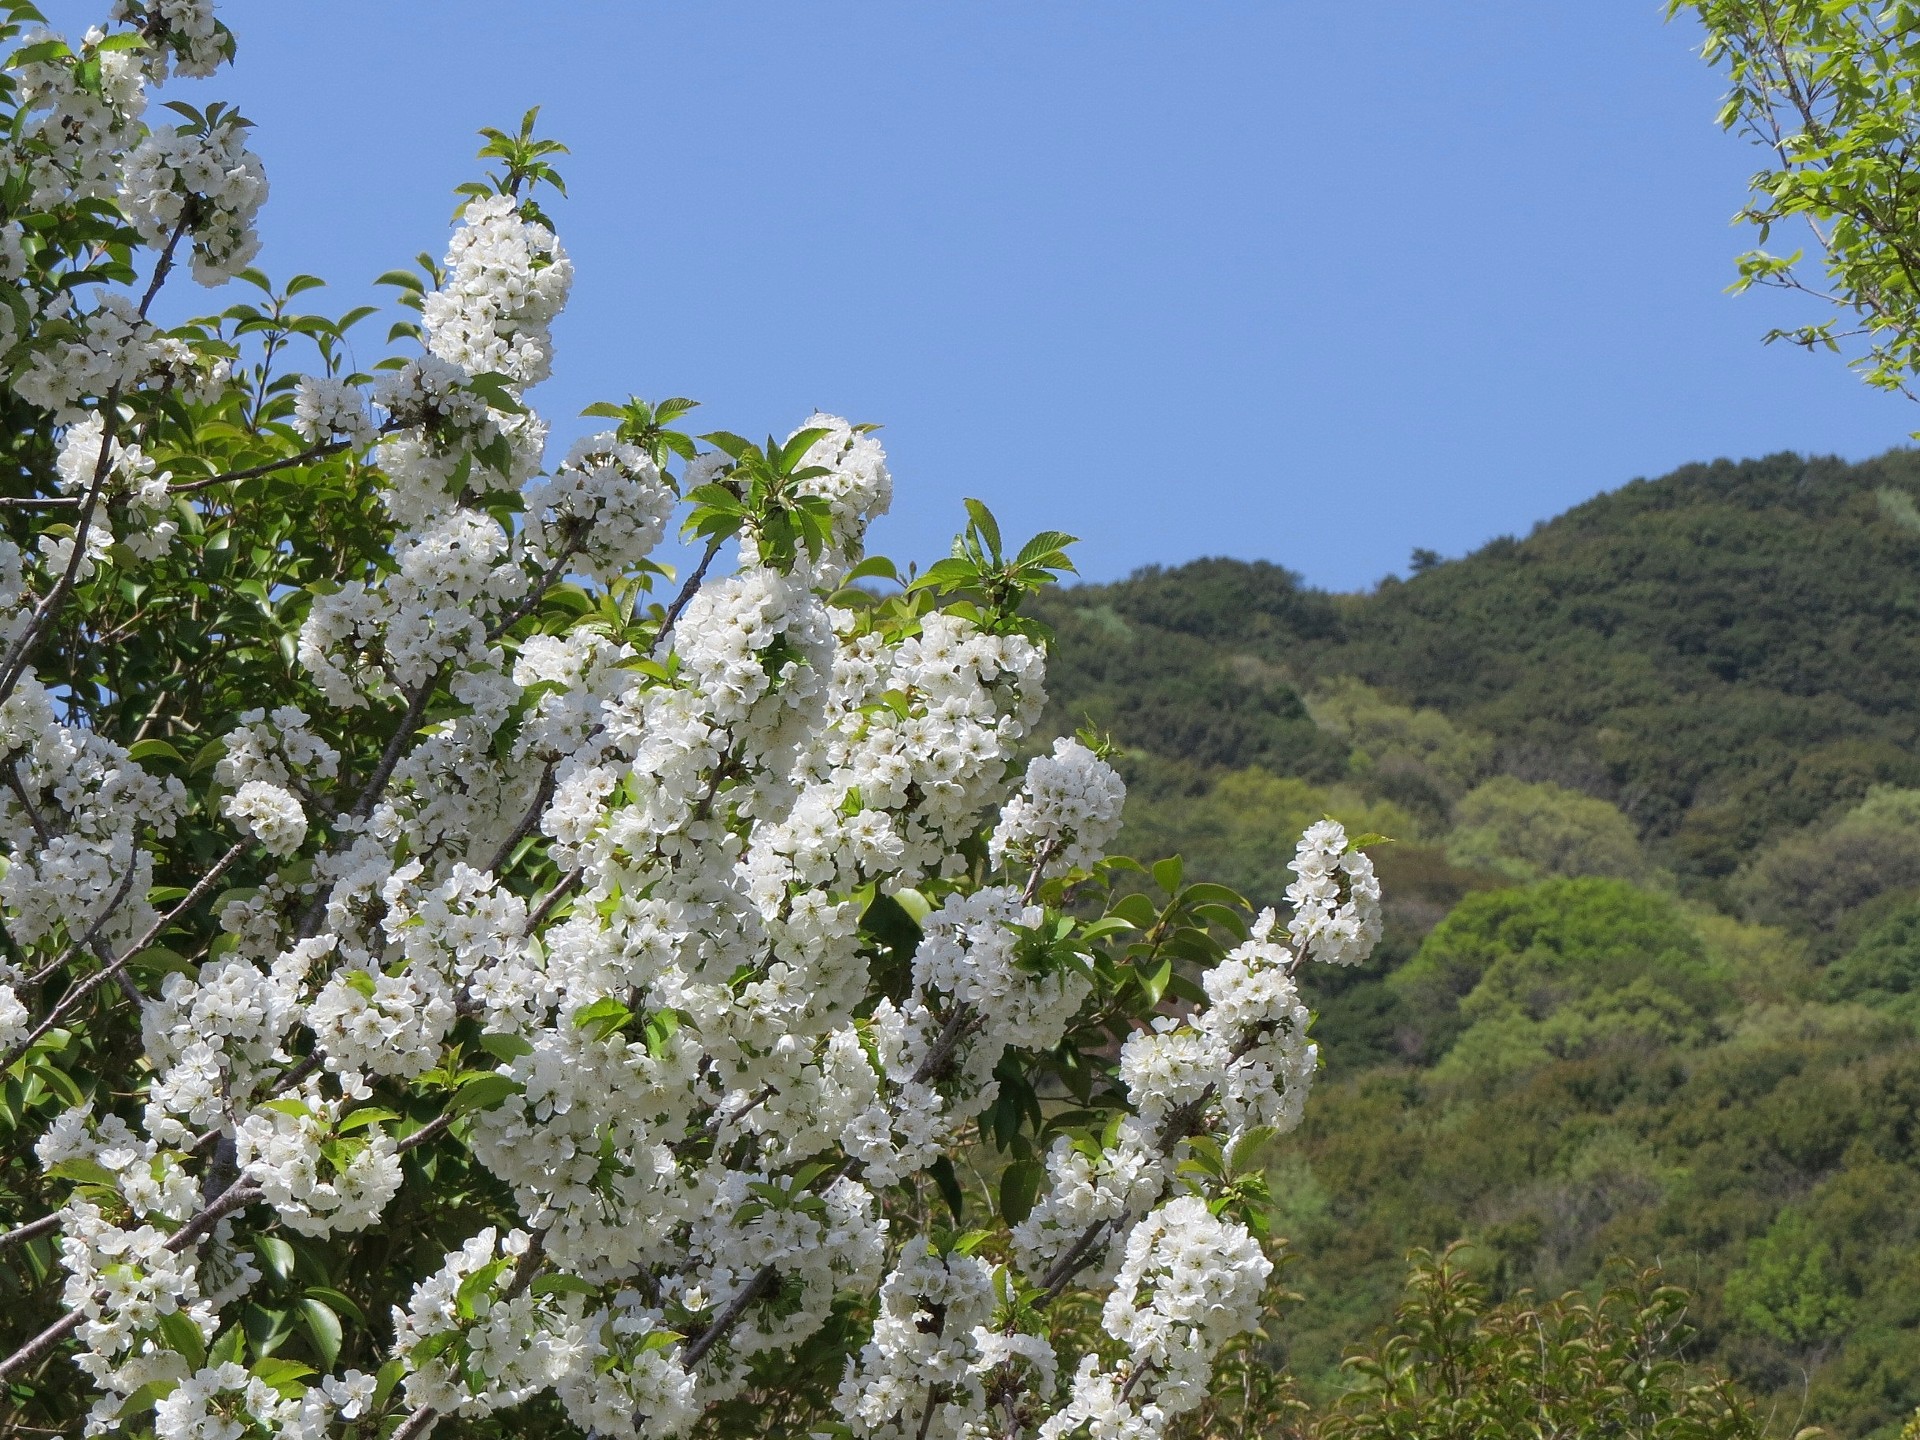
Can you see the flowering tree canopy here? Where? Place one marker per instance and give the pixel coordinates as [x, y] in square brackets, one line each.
[453, 967]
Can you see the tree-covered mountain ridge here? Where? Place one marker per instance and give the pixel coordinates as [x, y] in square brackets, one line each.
[1721, 652]
[1651, 982]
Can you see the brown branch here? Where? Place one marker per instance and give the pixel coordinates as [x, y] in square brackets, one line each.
[237, 1196]
[286, 462]
[44, 502]
[84, 945]
[41, 1344]
[541, 795]
[963, 1019]
[14, 664]
[111, 969]
[390, 757]
[554, 896]
[32, 1230]
[40, 830]
[685, 597]
[427, 1133]
[729, 1317]
[570, 536]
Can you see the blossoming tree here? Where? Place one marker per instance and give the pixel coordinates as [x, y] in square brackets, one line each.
[454, 968]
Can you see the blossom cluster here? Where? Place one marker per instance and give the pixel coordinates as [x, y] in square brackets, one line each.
[204, 184]
[693, 931]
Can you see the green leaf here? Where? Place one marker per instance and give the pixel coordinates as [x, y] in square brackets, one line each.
[157, 961]
[228, 1347]
[483, 1093]
[276, 1256]
[917, 906]
[951, 573]
[1153, 983]
[388, 1376]
[39, 54]
[85, 1170]
[505, 1047]
[984, 522]
[603, 1017]
[323, 1330]
[1206, 893]
[366, 1115]
[339, 1303]
[1046, 543]
[283, 1377]
[874, 566]
[183, 1336]
[729, 444]
[948, 1184]
[145, 1398]
[479, 1283]
[1019, 1188]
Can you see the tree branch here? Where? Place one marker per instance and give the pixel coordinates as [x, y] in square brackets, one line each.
[110, 969]
[685, 597]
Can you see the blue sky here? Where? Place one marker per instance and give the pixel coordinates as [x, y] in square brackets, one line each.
[1303, 282]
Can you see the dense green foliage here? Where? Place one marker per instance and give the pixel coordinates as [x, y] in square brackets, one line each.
[1652, 972]
[1725, 654]
[1454, 1365]
[1827, 89]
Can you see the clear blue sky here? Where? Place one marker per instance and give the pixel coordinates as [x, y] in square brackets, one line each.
[1296, 281]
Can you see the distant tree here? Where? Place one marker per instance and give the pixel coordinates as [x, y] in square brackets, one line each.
[1423, 559]
[1827, 87]
[1789, 1289]
[1808, 881]
[1558, 969]
[1389, 738]
[1530, 831]
[1883, 969]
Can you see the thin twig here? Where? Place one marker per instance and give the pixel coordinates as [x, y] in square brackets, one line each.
[427, 1133]
[685, 597]
[236, 1196]
[85, 943]
[729, 1317]
[554, 896]
[44, 502]
[287, 462]
[110, 969]
[541, 795]
[37, 1347]
[539, 589]
[390, 757]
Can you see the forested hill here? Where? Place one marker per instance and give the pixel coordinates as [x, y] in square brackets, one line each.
[1651, 981]
[1724, 651]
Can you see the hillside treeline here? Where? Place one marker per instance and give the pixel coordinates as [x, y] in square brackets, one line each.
[1652, 977]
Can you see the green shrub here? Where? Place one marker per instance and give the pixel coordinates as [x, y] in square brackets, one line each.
[1457, 1367]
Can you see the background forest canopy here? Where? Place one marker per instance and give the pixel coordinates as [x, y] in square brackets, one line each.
[1652, 968]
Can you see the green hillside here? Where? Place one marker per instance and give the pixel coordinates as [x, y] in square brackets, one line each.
[1652, 975]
